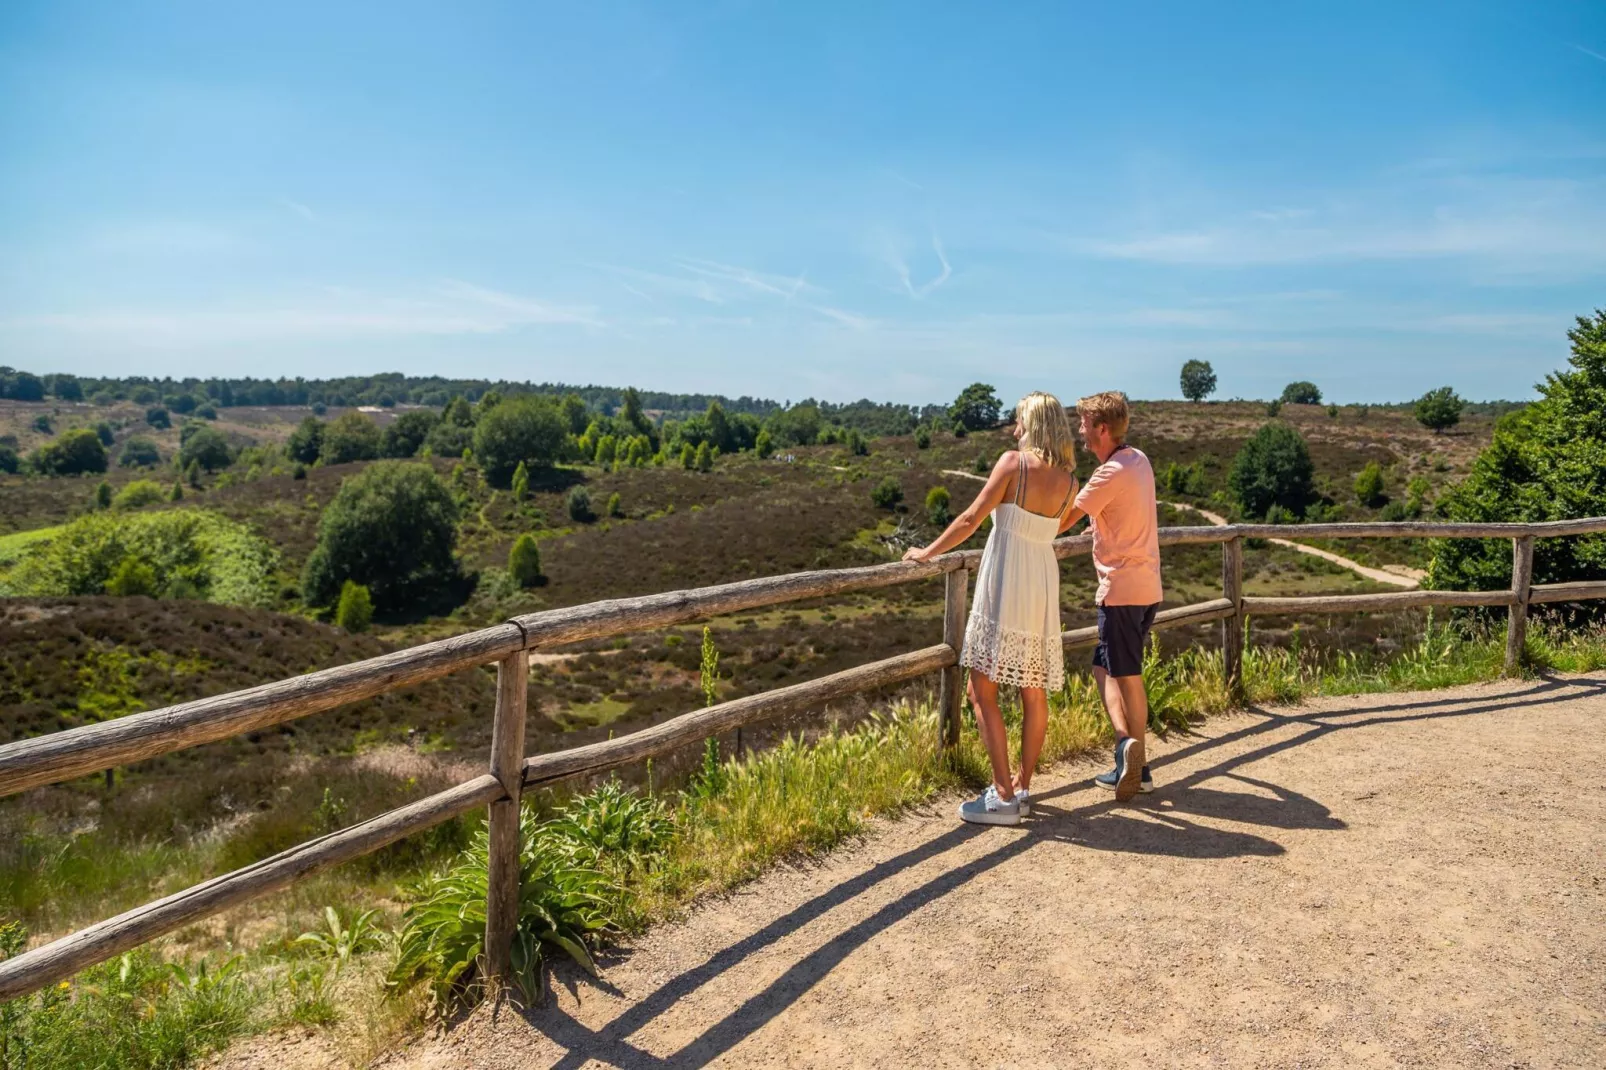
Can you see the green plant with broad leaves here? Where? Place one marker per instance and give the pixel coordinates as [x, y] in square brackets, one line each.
[340, 942]
[614, 824]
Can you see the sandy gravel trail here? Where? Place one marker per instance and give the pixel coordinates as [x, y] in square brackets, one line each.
[1390, 880]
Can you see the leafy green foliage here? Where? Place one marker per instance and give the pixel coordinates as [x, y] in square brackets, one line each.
[393, 529]
[9, 461]
[1369, 485]
[763, 444]
[305, 443]
[524, 561]
[938, 506]
[923, 438]
[76, 452]
[527, 429]
[1439, 409]
[138, 494]
[976, 407]
[887, 493]
[103, 495]
[704, 461]
[562, 908]
[339, 941]
[189, 553]
[158, 418]
[103, 431]
[204, 447]
[1185, 479]
[1198, 380]
[22, 386]
[1273, 408]
[613, 823]
[1546, 462]
[1301, 393]
[1273, 468]
[355, 610]
[351, 436]
[616, 506]
[578, 505]
[139, 452]
[521, 482]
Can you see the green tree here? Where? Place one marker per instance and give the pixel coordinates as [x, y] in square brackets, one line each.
[705, 458]
[10, 463]
[521, 482]
[103, 431]
[528, 429]
[103, 495]
[1547, 461]
[138, 494]
[937, 506]
[887, 493]
[1439, 409]
[158, 418]
[139, 452]
[458, 413]
[25, 386]
[206, 448]
[405, 435]
[305, 443]
[1273, 408]
[1301, 393]
[796, 426]
[76, 452]
[392, 528]
[67, 388]
[578, 505]
[355, 610]
[574, 411]
[524, 561]
[719, 427]
[351, 436]
[615, 505]
[634, 418]
[977, 407]
[1198, 380]
[923, 438]
[763, 445]
[688, 457]
[1273, 468]
[177, 493]
[607, 448]
[132, 577]
[192, 474]
[1369, 486]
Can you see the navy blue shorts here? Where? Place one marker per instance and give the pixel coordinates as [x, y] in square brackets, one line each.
[1123, 632]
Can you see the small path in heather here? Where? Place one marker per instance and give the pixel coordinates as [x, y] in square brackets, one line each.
[1372, 881]
[1393, 575]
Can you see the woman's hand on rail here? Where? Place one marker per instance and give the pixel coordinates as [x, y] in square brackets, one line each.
[918, 554]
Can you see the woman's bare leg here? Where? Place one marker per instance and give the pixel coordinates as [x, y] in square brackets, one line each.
[990, 724]
[1034, 726]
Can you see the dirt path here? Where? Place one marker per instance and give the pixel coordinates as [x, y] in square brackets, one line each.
[1394, 575]
[1380, 881]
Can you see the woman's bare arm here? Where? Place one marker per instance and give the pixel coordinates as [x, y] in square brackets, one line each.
[966, 523]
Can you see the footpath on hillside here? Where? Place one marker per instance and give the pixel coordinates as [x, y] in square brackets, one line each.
[1369, 881]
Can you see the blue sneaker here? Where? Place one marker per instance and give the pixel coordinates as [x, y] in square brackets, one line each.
[1124, 761]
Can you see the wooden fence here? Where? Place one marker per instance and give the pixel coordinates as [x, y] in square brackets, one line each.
[91, 748]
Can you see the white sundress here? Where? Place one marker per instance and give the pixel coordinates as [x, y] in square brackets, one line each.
[1013, 636]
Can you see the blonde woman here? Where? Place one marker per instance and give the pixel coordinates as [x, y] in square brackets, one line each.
[1014, 632]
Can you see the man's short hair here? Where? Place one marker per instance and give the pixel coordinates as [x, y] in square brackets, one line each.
[1107, 410]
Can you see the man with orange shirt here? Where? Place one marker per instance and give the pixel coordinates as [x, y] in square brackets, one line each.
[1118, 500]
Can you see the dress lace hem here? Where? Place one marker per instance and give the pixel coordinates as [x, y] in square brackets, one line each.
[1017, 658]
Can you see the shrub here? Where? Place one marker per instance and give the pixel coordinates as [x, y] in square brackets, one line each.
[23, 386]
[206, 411]
[1332, 412]
[305, 443]
[524, 561]
[1273, 468]
[887, 493]
[139, 452]
[351, 436]
[1369, 486]
[923, 438]
[613, 824]
[188, 551]
[579, 505]
[177, 493]
[527, 429]
[10, 463]
[76, 452]
[1198, 380]
[1273, 408]
[158, 418]
[763, 445]
[133, 577]
[1439, 409]
[67, 388]
[298, 471]
[1301, 393]
[521, 482]
[355, 611]
[103, 495]
[391, 528]
[103, 431]
[688, 457]
[43, 424]
[704, 461]
[937, 506]
[615, 505]
[607, 446]
[139, 493]
[562, 908]
[192, 474]
[204, 447]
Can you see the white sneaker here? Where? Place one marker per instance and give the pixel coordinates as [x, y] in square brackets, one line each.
[989, 809]
[1023, 796]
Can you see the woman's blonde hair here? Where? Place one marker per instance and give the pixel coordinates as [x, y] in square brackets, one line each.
[1046, 430]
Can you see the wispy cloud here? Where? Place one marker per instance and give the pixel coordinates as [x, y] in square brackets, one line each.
[901, 266]
[1590, 52]
[299, 209]
[715, 283]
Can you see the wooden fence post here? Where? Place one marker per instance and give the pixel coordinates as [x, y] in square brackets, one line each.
[950, 692]
[1232, 628]
[1522, 574]
[507, 765]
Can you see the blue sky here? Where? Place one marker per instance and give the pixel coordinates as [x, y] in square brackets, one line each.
[830, 199]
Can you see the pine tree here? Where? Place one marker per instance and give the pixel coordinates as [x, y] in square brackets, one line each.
[521, 482]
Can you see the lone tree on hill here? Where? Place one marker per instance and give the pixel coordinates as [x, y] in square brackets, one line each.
[1273, 468]
[524, 561]
[306, 441]
[204, 447]
[1439, 409]
[350, 437]
[1545, 463]
[1301, 393]
[976, 407]
[1369, 485]
[75, 452]
[527, 429]
[1198, 380]
[392, 528]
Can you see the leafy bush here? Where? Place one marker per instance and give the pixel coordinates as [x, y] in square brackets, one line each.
[139, 452]
[103, 495]
[763, 444]
[1198, 380]
[1273, 408]
[1185, 479]
[158, 418]
[138, 494]
[204, 447]
[9, 461]
[1301, 393]
[1439, 409]
[614, 823]
[355, 611]
[562, 908]
[305, 443]
[391, 528]
[188, 551]
[524, 561]
[521, 482]
[76, 452]
[133, 577]
[1369, 486]
[525, 429]
[339, 942]
[350, 437]
[615, 505]
[406, 434]
[887, 493]
[705, 458]
[579, 505]
[937, 506]
[1273, 468]
[103, 431]
[1546, 462]
[923, 438]
[44, 425]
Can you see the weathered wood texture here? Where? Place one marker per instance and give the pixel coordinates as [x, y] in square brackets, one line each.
[56, 961]
[1582, 591]
[1522, 574]
[700, 724]
[1198, 613]
[507, 766]
[1424, 529]
[951, 690]
[1371, 603]
[90, 748]
[1232, 628]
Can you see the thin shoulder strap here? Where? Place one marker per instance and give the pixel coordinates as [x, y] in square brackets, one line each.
[1020, 479]
[1068, 492]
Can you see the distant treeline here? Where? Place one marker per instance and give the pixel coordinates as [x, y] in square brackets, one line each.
[390, 389]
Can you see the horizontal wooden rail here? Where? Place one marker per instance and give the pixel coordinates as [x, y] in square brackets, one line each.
[1198, 613]
[56, 961]
[1567, 592]
[1371, 603]
[727, 716]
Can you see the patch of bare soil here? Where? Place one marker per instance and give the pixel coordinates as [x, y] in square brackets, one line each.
[1378, 881]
